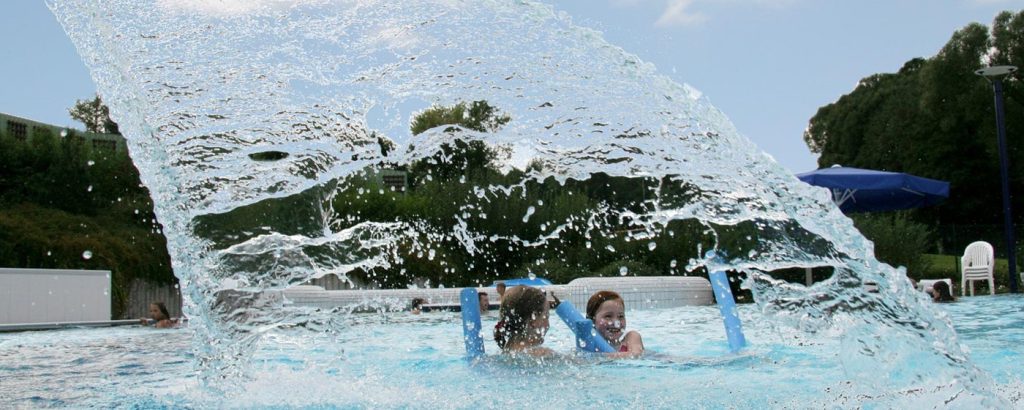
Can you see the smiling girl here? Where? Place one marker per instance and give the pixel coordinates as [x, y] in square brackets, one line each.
[608, 311]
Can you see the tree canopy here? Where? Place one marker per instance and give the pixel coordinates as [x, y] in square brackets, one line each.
[935, 118]
[95, 115]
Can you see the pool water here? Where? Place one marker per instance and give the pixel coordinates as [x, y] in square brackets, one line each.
[417, 361]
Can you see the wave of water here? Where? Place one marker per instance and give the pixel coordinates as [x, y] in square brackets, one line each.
[201, 89]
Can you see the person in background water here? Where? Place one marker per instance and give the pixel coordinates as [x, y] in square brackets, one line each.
[158, 317]
[414, 306]
[485, 302]
[523, 322]
[500, 288]
[608, 311]
[941, 293]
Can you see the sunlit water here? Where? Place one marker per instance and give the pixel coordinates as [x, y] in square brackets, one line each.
[404, 360]
[252, 123]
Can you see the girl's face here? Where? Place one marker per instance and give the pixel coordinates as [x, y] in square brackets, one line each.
[538, 326]
[610, 320]
[154, 312]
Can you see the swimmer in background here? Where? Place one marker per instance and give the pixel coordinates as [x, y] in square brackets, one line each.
[414, 306]
[608, 311]
[523, 322]
[158, 317]
[485, 302]
[500, 288]
[941, 293]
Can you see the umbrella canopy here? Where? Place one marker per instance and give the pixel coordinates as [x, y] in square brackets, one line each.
[865, 190]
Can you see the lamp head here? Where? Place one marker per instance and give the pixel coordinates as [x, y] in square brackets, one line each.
[996, 72]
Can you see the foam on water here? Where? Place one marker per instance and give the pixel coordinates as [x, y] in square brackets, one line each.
[202, 88]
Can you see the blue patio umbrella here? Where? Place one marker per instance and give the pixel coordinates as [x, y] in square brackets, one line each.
[865, 190]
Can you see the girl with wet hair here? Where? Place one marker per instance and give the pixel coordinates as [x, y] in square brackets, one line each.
[941, 292]
[523, 322]
[158, 316]
[608, 311]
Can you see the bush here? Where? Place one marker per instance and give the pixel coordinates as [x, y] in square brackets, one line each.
[898, 240]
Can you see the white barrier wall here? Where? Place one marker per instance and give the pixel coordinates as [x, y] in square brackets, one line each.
[651, 292]
[53, 295]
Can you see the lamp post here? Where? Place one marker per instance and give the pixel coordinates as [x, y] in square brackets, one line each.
[995, 75]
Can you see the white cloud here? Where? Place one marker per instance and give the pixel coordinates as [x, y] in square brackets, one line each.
[679, 13]
[687, 13]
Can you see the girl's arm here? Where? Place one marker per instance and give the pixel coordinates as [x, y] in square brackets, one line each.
[634, 346]
[633, 342]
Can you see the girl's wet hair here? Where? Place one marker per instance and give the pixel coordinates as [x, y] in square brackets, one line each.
[942, 292]
[520, 306]
[598, 298]
[163, 309]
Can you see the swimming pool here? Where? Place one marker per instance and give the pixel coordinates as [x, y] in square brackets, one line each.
[417, 361]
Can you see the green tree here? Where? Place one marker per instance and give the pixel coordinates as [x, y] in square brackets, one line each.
[934, 118]
[95, 115]
[458, 158]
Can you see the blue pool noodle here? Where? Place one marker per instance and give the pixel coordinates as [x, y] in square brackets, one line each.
[470, 306]
[586, 338]
[727, 305]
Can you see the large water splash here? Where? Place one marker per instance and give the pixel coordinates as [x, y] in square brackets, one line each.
[237, 110]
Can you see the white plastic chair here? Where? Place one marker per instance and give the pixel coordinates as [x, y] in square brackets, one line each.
[977, 264]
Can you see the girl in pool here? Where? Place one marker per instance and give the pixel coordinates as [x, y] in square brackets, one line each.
[523, 322]
[159, 317]
[608, 311]
[941, 293]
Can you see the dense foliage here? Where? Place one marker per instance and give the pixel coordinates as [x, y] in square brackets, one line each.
[95, 115]
[594, 237]
[65, 206]
[936, 118]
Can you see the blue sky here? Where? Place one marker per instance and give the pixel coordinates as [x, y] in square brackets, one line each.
[768, 64]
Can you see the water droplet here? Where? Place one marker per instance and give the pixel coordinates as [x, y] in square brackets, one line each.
[610, 248]
[48, 253]
[529, 211]
[673, 263]
[87, 255]
[540, 202]
[623, 271]
[430, 254]
[136, 212]
[89, 189]
[532, 275]
[91, 162]
[651, 246]
[63, 133]
[588, 245]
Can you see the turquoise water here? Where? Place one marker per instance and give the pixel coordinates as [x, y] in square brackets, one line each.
[409, 361]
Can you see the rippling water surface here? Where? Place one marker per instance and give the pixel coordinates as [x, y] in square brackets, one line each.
[402, 360]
